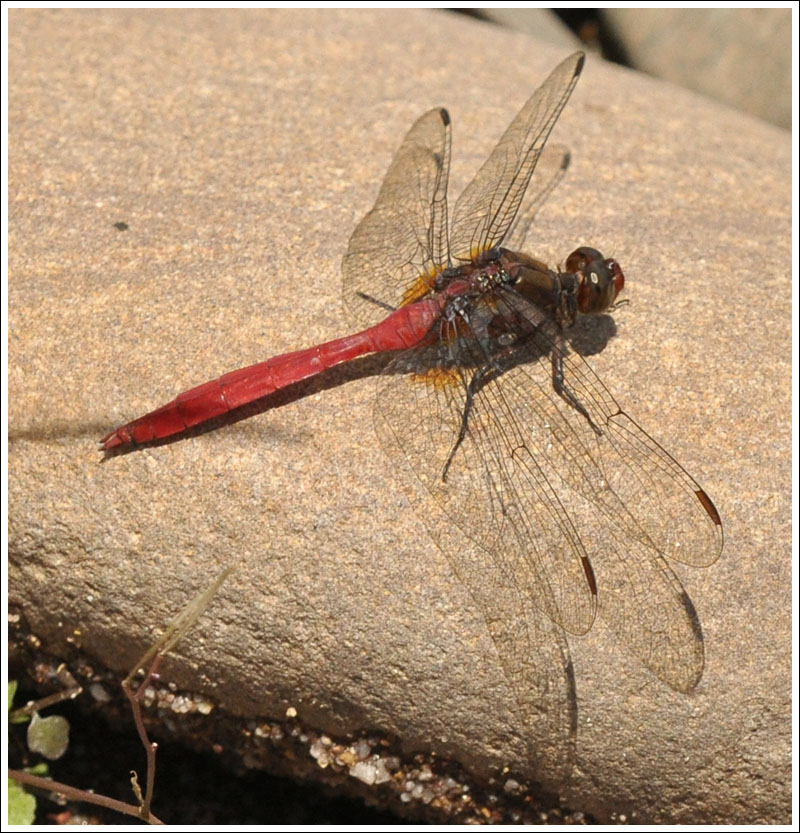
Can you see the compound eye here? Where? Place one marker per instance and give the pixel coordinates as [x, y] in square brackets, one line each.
[581, 258]
[597, 289]
[616, 275]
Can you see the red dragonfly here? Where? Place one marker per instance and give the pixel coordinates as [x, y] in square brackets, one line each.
[511, 433]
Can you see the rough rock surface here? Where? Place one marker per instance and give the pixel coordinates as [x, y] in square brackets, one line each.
[741, 57]
[239, 149]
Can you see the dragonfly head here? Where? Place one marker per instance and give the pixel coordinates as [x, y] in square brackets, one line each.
[600, 279]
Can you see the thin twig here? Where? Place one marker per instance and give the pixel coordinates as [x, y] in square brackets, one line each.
[75, 794]
[151, 660]
[40, 705]
[150, 747]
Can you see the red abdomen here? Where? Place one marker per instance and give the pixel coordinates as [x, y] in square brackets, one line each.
[403, 328]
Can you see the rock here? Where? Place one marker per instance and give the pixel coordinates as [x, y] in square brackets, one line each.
[240, 149]
[742, 57]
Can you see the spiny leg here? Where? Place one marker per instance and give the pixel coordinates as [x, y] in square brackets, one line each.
[478, 377]
[560, 386]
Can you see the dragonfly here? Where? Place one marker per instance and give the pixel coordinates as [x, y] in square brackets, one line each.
[507, 430]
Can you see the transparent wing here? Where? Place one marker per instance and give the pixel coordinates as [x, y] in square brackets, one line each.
[532, 651]
[495, 490]
[488, 205]
[550, 170]
[400, 243]
[543, 494]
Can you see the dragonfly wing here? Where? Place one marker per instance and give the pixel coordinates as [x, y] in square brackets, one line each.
[532, 651]
[417, 417]
[619, 467]
[550, 170]
[403, 239]
[633, 504]
[488, 205]
[495, 491]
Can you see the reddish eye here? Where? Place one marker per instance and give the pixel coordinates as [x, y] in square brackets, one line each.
[616, 275]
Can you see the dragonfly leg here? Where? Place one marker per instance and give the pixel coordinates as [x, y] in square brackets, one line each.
[478, 377]
[372, 300]
[561, 387]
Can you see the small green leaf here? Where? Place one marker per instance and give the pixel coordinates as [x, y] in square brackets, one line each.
[48, 736]
[21, 805]
[12, 693]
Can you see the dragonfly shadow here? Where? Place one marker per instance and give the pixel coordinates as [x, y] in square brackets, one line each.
[591, 334]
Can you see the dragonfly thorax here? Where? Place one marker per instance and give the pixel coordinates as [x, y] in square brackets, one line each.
[589, 285]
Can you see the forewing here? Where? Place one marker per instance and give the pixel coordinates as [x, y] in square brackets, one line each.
[638, 485]
[546, 492]
[488, 205]
[403, 239]
[633, 504]
[550, 170]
